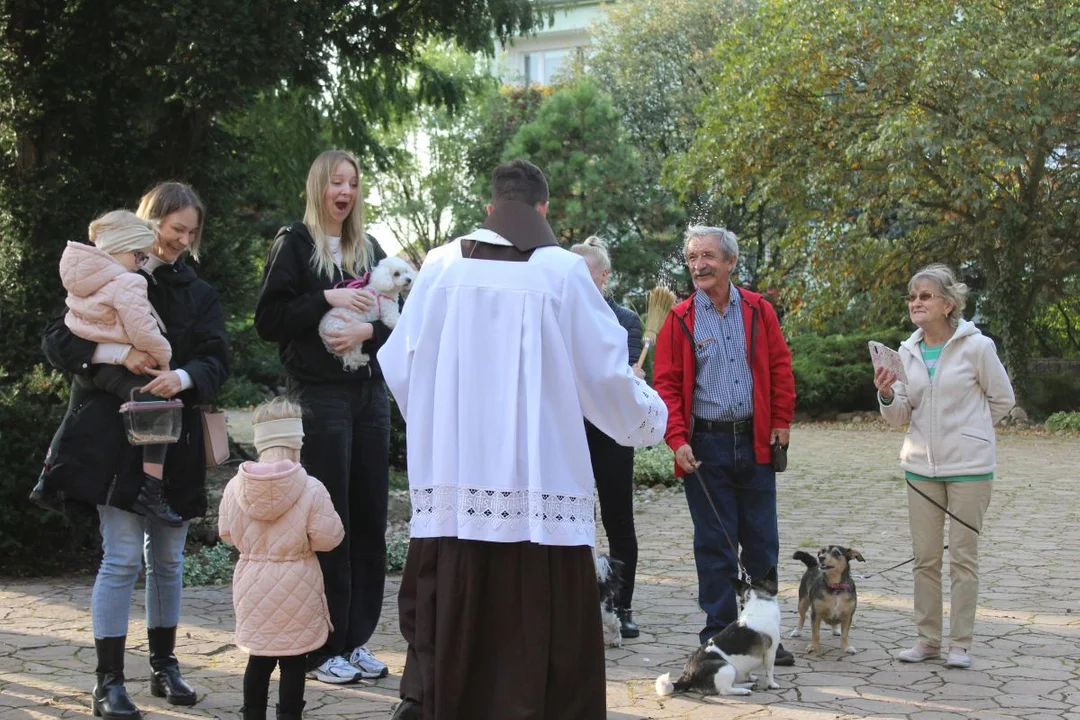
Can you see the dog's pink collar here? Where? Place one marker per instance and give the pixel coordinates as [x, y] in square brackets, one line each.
[838, 586]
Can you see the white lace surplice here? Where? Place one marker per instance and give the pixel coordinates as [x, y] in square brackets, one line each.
[493, 365]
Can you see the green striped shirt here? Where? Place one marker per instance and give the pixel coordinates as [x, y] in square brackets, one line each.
[951, 478]
[930, 355]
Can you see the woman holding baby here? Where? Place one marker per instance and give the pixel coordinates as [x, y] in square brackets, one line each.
[347, 413]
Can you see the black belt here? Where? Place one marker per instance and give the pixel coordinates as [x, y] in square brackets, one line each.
[729, 427]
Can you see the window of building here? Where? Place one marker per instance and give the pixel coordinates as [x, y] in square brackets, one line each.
[542, 67]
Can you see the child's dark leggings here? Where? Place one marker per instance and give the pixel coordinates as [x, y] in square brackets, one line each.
[290, 686]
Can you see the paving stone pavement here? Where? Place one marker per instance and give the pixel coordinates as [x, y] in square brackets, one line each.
[843, 486]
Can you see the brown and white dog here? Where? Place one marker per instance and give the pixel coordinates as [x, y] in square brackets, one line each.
[828, 592]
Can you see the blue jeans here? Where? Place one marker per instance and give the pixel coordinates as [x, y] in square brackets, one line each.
[744, 493]
[127, 539]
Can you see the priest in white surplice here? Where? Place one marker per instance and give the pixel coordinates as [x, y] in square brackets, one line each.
[502, 349]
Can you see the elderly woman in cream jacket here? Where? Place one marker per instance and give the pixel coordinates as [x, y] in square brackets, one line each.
[956, 391]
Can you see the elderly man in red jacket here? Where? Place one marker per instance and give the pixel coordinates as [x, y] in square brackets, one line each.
[724, 370]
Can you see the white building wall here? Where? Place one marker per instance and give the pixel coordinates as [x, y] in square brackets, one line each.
[537, 58]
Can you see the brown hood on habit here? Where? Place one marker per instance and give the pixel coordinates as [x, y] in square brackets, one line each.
[521, 224]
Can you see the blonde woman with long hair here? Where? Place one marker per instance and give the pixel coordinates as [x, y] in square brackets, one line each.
[347, 420]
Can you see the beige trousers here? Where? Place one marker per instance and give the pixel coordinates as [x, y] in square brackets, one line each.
[967, 501]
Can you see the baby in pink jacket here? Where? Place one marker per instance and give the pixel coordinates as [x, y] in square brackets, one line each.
[278, 517]
[107, 303]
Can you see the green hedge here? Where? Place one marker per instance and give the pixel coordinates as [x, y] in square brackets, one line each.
[655, 466]
[833, 373]
[1052, 393]
[34, 541]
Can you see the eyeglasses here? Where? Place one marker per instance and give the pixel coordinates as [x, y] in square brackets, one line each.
[140, 256]
[921, 297]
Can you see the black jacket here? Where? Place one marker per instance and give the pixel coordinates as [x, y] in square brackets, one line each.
[630, 321]
[291, 304]
[89, 458]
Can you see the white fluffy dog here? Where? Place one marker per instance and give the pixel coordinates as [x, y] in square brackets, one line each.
[386, 282]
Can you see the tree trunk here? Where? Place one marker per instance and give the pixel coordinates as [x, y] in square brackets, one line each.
[1009, 310]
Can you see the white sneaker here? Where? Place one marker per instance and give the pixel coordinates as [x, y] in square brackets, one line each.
[370, 667]
[958, 658]
[918, 653]
[335, 670]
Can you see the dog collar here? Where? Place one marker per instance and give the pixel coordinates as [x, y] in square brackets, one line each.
[838, 587]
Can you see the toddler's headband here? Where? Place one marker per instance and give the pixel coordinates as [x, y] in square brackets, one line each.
[288, 432]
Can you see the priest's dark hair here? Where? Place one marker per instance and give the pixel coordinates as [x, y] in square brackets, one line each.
[519, 180]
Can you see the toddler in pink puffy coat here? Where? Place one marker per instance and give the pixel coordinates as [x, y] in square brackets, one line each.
[107, 303]
[278, 517]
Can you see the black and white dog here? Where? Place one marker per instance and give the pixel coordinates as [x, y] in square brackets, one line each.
[724, 664]
[609, 579]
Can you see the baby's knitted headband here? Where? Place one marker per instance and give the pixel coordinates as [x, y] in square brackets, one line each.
[287, 432]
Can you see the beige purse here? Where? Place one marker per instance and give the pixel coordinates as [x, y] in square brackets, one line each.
[215, 436]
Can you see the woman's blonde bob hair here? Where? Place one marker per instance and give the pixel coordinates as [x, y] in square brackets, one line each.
[952, 290]
[356, 251]
[594, 247]
[166, 198]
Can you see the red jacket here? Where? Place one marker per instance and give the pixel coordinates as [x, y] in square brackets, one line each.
[674, 372]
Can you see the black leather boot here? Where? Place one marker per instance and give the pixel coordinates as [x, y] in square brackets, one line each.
[151, 503]
[110, 699]
[407, 709]
[293, 713]
[45, 497]
[627, 627]
[784, 658]
[165, 680]
[253, 713]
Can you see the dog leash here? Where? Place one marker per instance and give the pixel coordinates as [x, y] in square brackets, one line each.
[938, 505]
[945, 509]
[734, 549]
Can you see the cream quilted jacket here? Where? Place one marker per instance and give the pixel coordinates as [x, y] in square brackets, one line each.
[109, 304]
[278, 517]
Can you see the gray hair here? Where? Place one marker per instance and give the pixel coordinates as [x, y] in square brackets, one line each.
[593, 247]
[729, 244]
[952, 290]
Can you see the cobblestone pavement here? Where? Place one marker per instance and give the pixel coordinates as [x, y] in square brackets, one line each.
[843, 486]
